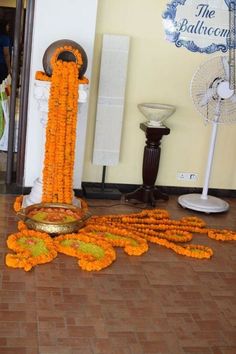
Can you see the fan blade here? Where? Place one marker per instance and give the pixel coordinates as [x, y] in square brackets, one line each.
[207, 97]
[226, 67]
[233, 99]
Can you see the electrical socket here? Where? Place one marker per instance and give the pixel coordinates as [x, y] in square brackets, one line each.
[187, 176]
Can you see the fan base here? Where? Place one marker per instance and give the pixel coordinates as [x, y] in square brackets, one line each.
[209, 205]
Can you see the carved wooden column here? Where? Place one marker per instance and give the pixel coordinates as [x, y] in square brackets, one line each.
[148, 192]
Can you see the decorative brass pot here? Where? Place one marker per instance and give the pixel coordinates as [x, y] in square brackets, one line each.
[53, 228]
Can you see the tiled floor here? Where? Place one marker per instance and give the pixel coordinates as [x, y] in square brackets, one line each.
[159, 303]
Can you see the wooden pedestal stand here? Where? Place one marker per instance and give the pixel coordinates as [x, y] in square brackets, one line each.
[148, 193]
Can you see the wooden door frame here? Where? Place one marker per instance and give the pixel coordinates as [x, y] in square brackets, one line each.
[25, 77]
[29, 21]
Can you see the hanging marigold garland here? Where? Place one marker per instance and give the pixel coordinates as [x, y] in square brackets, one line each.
[61, 128]
[59, 153]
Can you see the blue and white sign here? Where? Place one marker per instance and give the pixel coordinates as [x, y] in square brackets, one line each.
[199, 25]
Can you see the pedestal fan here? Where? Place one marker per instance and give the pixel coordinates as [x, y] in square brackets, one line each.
[216, 101]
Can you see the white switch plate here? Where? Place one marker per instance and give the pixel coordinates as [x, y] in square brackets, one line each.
[187, 176]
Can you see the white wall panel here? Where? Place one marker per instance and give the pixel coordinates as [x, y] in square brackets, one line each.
[111, 95]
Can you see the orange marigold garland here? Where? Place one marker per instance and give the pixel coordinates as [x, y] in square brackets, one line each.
[68, 48]
[70, 133]
[193, 221]
[93, 244]
[42, 76]
[93, 253]
[18, 203]
[222, 235]
[31, 248]
[156, 227]
[60, 135]
[133, 244]
[177, 236]
[194, 251]
[61, 128]
[21, 226]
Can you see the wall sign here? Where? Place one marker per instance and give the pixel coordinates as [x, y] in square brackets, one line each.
[199, 25]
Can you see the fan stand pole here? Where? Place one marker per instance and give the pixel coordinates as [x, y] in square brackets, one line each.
[209, 161]
[203, 202]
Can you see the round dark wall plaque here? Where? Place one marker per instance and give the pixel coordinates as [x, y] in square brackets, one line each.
[65, 55]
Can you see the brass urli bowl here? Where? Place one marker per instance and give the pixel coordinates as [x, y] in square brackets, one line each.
[52, 228]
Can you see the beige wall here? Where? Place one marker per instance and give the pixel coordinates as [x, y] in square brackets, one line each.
[158, 72]
[8, 3]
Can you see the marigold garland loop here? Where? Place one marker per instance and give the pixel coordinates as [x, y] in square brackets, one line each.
[222, 235]
[133, 244]
[76, 53]
[31, 248]
[194, 251]
[177, 235]
[93, 253]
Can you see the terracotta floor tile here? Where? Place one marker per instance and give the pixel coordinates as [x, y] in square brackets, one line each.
[159, 303]
[13, 350]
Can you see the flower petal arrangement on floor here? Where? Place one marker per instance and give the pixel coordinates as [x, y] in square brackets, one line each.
[93, 245]
[93, 252]
[31, 248]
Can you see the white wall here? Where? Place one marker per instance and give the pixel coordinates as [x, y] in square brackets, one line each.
[55, 20]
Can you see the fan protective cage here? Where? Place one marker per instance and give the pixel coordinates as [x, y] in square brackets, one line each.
[207, 73]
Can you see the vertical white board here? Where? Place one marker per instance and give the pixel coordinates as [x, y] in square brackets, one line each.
[111, 95]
